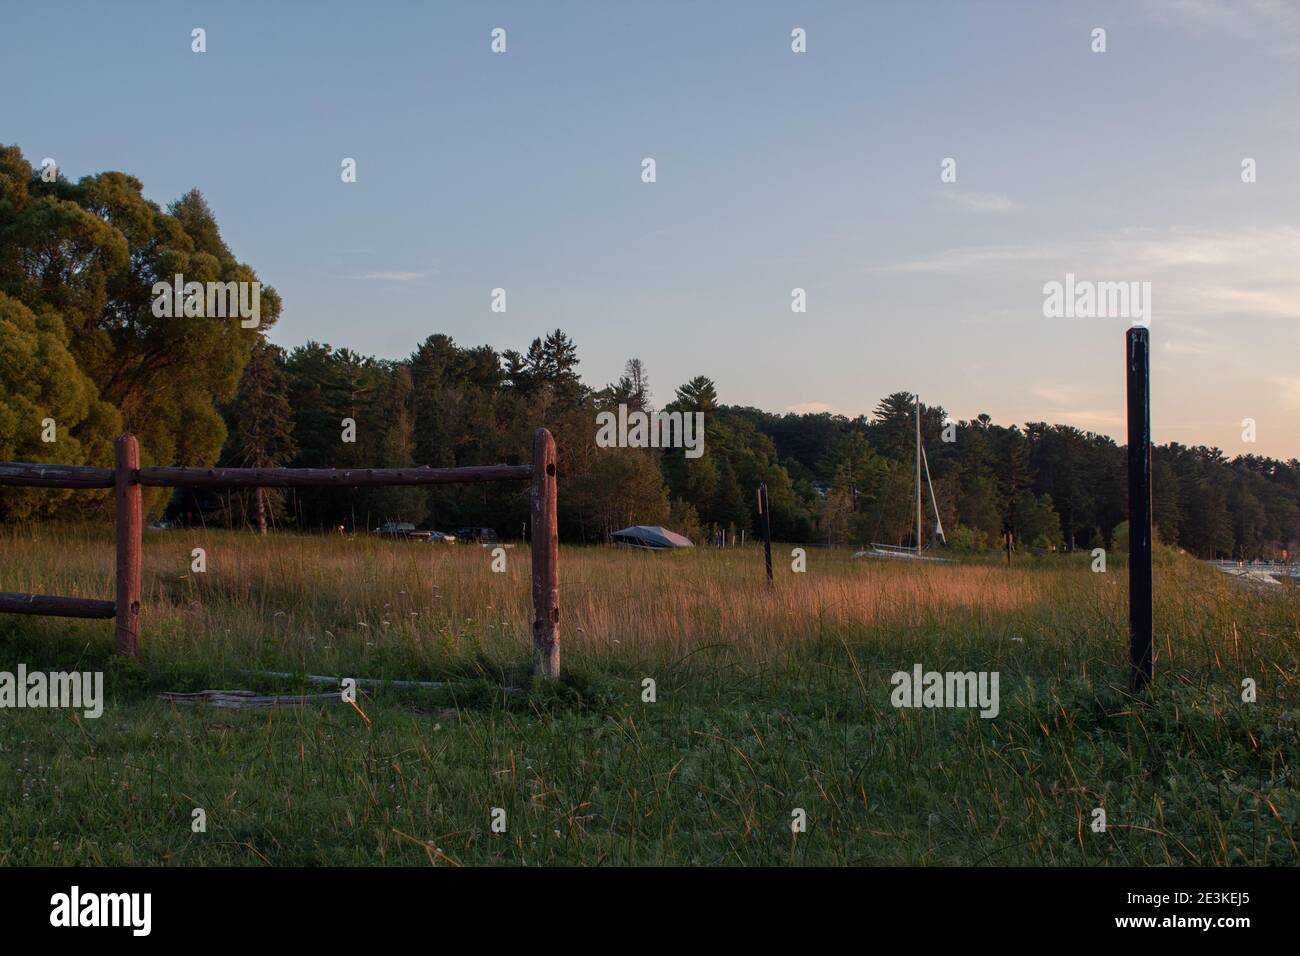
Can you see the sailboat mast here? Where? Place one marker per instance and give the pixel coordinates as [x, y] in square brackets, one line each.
[918, 474]
[938, 522]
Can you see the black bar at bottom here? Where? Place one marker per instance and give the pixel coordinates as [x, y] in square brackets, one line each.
[1224, 904]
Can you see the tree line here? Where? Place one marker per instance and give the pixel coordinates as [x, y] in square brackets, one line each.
[80, 345]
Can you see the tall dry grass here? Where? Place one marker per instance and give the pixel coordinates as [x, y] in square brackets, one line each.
[316, 602]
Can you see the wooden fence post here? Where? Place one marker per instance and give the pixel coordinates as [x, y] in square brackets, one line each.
[546, 558]
[1141, 670]
[130, 522]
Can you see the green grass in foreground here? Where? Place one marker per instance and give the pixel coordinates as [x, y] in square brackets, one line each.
[766, 703]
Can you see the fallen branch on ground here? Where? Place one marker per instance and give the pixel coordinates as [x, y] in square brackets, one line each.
[247, 699]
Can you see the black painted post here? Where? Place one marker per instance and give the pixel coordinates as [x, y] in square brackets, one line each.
[1139, 509]
[765, 514]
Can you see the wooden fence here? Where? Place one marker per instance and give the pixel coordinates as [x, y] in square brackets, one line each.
[127, 478]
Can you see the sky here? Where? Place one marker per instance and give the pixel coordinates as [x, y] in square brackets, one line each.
[774, 170]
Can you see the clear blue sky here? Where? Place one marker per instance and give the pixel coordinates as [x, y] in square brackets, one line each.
[775, 170]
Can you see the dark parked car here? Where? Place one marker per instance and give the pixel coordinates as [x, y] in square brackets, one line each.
[477, 535]
[399, 529]
[402, 529]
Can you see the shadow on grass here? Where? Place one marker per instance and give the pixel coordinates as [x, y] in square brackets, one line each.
[470, 683]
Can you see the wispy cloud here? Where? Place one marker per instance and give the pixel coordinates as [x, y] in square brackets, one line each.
[1068, 402]
[1289, 392]
[1193, 271]
[1239, 16]
[1061, 394]
[1277, 21]
[810, 408]
[392, 276]
[1101, 420]
[1186, 347]
[973, 259]
[980, 202]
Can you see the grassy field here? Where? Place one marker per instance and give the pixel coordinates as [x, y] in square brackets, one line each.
[767, 701]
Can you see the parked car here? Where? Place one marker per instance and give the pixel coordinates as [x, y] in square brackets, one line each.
[442, 537]
[483, 536]
[402, 529]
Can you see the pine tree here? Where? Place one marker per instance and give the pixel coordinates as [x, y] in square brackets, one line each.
[552, 362]
[395, 450]
[698, 395]
[263, 421]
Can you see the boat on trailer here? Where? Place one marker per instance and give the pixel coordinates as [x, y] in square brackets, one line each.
[894, 552]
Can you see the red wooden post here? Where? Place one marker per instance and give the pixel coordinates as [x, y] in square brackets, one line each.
[546, 558]
[130, 523]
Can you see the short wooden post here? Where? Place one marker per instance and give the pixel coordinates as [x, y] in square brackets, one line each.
[764, 512]
[546, 558]
[130, 523]
[1141, 671]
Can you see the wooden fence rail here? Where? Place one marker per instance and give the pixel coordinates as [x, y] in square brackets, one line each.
[127, 478]
[50, 606]
[78, 476]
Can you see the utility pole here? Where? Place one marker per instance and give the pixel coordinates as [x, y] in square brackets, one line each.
[918, 475]
[1138, 350]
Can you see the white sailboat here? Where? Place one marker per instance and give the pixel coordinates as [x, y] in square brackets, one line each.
[910, 554]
